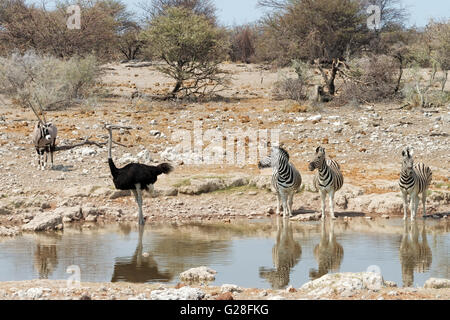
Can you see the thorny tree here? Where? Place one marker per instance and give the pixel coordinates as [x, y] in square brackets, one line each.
[192, 49]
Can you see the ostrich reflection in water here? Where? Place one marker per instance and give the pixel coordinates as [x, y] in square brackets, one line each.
[286, 254]
[414, 255]
[140, 268]
[328, 253]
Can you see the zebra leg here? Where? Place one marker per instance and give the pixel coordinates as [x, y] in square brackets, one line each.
[424, 201]
[323, 195]
[291, 201]
[284, 199]
[417, 205]
[278, 203]
[331, 195]
[405, 205]
[414, 205]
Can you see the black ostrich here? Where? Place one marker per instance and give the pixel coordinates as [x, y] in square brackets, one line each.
[135, 176]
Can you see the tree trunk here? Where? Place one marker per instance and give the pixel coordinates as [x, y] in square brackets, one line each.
[400, 60]
[444, 81]
[330, 85]
[177, 86]
[329, 81]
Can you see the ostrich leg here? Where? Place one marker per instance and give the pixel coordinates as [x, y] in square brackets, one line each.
[139, 202]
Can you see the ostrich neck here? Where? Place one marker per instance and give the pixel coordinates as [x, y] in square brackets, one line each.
[110, 145]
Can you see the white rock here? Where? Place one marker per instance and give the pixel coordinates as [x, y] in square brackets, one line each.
[87, 151]
[184, 293]
[73, 213]
[230, 288]
[32, 293]
[344, 282]
[8, 232]
[44, 221]
[315, 118]
[144, 155]
[128, 158]
[437, 283]
[198, 274]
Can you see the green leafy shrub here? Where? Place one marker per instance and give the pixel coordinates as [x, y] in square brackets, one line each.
[192, 49]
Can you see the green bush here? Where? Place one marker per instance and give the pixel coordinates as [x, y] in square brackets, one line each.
[192, 49]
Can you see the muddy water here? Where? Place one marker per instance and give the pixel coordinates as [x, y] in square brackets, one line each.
[264, 254]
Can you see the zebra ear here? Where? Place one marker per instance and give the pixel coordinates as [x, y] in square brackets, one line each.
[318, 149]
[407, 152]
[410, 152]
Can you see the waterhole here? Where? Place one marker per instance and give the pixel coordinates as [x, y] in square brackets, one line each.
[265, 254]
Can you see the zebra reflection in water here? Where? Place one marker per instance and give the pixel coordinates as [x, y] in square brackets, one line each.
[415, 255]
[328, 253]
[286, 253]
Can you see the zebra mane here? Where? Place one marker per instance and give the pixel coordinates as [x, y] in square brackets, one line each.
[283, 152]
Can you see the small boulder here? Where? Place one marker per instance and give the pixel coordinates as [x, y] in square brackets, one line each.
[184, 293]
[197, 187]
[437, 283]
[230, 288]
[8, 232]
[344, 283]
[69, 213]
[198, 274]
[44, 221]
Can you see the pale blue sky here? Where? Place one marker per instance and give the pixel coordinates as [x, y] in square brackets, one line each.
[245, 11]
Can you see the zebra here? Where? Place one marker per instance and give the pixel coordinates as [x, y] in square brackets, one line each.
[414, 179]
[328, 180]
[286, 180]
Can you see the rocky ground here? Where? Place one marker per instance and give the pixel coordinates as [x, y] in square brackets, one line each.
[345, 286]
[366, 140]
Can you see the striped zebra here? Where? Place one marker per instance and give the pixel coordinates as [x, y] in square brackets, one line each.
[286, 180]
[414, 179]
[328, 180]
